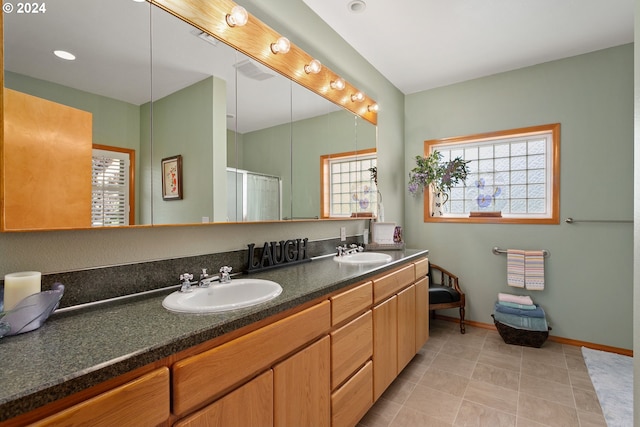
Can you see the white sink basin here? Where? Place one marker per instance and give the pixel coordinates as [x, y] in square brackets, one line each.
[223, 296]
[364, 258]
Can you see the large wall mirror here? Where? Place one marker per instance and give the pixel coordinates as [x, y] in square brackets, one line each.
[160, 100]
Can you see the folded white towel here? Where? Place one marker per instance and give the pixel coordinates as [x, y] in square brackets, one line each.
[515, 268]
[518, 299]
[534, 270]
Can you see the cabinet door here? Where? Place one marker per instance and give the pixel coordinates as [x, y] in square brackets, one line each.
[47, 164]
[385, 345]
[248, 406]
[422, 312]
[406, 326]
[301, 386]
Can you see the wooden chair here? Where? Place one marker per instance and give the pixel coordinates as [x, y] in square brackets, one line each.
[445, 292]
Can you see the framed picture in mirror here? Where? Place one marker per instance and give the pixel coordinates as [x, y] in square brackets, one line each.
[172, 178]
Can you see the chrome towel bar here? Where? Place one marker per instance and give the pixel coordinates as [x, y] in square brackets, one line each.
[571, 220]
[497, 251]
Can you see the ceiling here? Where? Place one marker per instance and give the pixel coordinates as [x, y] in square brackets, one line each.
[116, 58]
[423, 44]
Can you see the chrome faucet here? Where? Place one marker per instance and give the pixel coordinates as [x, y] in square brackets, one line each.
[186, 282]
[205, 280]
[348, 250]
[225, 277]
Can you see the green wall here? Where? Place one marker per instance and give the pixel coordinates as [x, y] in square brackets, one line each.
[191, 123]
[115, 123]
[588, 294]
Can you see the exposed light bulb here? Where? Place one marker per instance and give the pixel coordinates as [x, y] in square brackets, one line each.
[282, 45]
[313, 67]
[238, 16]
[373, 108]
[357, 97]
[337, 84]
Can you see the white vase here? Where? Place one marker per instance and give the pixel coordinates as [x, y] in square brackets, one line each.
[438, 199]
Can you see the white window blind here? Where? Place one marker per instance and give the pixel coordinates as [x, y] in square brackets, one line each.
[110, 189]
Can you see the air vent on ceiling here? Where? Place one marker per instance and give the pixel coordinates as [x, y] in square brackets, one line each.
[251, 70]
[206, 37]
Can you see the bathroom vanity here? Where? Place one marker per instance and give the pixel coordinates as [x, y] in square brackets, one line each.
[319, 354]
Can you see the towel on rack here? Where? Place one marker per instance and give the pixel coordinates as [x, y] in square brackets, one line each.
[517, 299]
[536, 312]
[534, 270]
[515, 268]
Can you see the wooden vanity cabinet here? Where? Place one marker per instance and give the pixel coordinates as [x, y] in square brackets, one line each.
[400, 321]
[323, 366]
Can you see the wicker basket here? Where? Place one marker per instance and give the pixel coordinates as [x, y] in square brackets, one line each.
[522, 337]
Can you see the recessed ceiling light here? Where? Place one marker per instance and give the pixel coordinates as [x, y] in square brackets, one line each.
[357, 6]
[64, 55]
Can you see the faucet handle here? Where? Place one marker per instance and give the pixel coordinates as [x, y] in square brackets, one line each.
[204, 273]
[225, 269]
[186, 285]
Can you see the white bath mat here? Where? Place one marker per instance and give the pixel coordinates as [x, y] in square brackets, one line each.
[612, 377]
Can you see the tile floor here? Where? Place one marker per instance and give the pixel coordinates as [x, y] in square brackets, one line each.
[476, 379]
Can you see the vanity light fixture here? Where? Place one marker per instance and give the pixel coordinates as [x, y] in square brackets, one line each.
[282, 45]
[64, 55]
[373, 108]
[238, 16]
[313, 67]
[357, 97]
[337, 84]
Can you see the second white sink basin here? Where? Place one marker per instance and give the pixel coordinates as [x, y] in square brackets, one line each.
[223, 296]
[364, 258]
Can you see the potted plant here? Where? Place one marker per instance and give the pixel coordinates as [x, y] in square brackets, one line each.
[431, 171]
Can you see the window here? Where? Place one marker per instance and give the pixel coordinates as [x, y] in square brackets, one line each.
[347, 186]
[514, 176]
[111, 185]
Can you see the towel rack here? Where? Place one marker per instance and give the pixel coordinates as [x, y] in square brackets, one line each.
[497, 251]
[571, 220]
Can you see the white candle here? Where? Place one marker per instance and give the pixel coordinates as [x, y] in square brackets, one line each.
[18, 286]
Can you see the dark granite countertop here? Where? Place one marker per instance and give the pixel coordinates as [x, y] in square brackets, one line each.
[78, 349]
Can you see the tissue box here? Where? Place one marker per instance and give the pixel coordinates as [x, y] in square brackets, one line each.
[382, 232]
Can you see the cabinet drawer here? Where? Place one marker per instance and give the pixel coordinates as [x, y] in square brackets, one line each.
[352, 401]
[141, 402]
[388, 285]
[422, 268]
[202, 377]
[351, 347]
[351, 302]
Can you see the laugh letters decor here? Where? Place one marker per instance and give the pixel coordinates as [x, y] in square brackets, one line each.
[277, 254]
